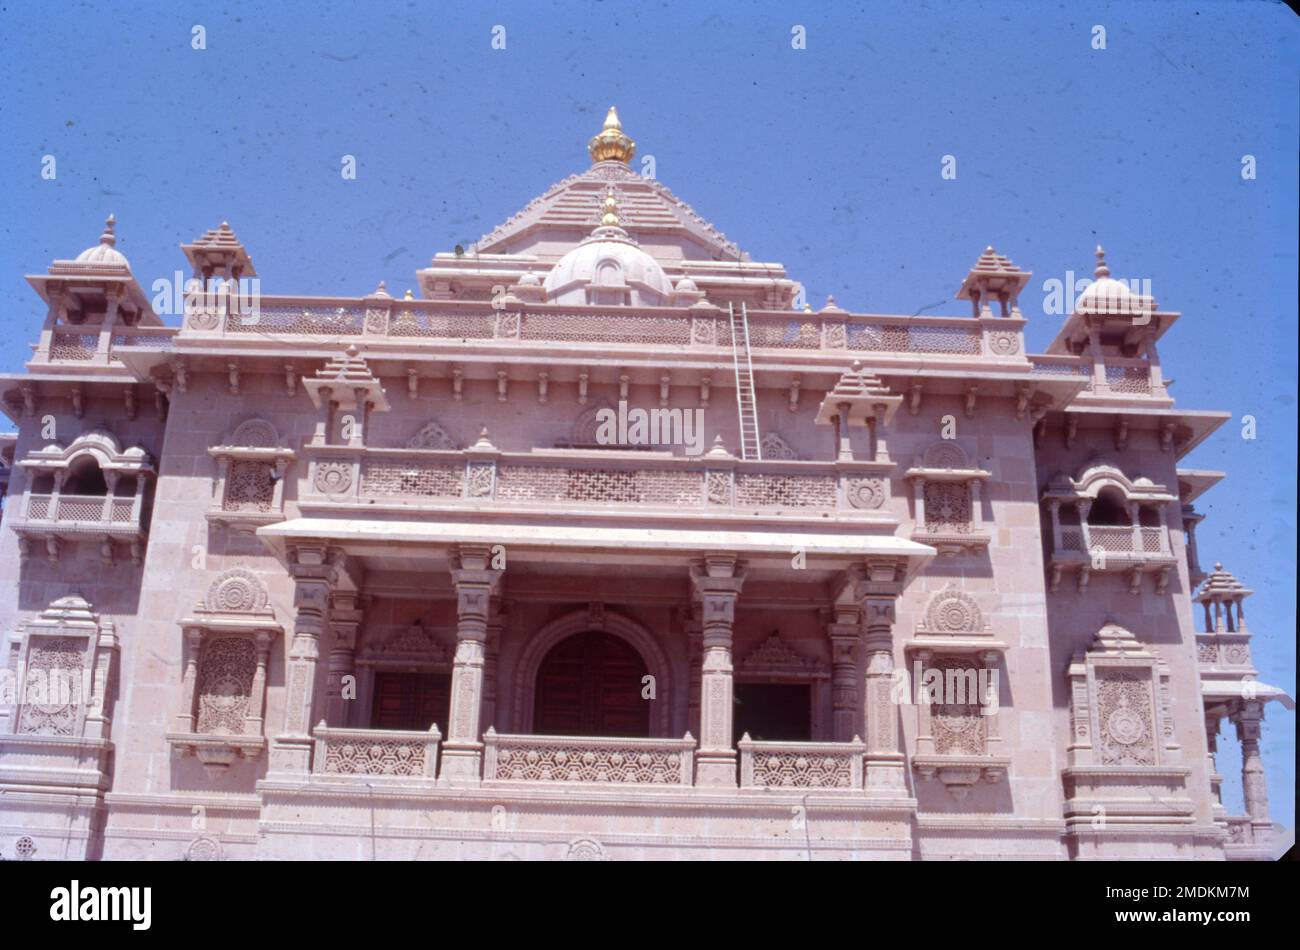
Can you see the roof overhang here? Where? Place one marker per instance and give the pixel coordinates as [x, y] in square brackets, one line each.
[563, 543]
[1193, 483]
[1216, 691]
[1193, 426]
[1134, 326]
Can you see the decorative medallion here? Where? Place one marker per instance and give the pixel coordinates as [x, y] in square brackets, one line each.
[865, 492]
[718, 488]
[255, 434]
[944, 455]
[203, 849]
[585, 849]
[1004, 343]
[202, 317]
[432, 436]
[704, 331]
[953, 611]
[236, 590]
[333, 477]
[773, 447]
[480, 479]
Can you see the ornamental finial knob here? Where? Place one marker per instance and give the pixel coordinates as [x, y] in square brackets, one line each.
[611, 145]
[1102, 270]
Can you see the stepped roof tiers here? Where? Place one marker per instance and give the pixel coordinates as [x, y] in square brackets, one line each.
[595, 544]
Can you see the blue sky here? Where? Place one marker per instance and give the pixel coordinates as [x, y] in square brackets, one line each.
[826, 159]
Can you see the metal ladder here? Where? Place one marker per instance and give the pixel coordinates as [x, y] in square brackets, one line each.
[746, 404]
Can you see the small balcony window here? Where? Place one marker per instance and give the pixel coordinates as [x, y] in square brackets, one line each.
[946, 495]
[251, 467]
[91, 490]
[1103, 521]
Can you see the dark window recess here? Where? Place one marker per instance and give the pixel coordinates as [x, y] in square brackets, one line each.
[773, 712]
[411, 701]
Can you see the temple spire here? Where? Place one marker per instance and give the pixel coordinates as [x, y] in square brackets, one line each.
[611, 144]
[108, 237]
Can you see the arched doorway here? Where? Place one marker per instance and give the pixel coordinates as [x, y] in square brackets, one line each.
[590, 684]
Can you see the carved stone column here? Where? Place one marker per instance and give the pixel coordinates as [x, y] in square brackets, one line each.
[495, 627]
[475, 583]
[1153, 359]
[877, 588]
[1216, 780]
[1254, 788]
[256, 715]
[1084, 507]
[346, 615]
[314, 575]
[193, 647]
[693, 623]
[1099, 385]
[844, 450]
[717, 581]
[104, 343]
[845, 632]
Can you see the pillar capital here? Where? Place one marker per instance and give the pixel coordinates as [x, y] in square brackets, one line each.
[877, 578]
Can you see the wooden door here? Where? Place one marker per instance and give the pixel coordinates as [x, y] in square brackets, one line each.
[590, 685]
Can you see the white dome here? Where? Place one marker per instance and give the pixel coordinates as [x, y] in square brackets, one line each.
[104, 252]
[1105, 294]
[607, 268]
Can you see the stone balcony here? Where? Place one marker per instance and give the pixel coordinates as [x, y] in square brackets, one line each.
[543, 761]
[1106, 549]
[1123, 377]
[57, 517]
[1229, 652]
[82, 349]
[596, 482]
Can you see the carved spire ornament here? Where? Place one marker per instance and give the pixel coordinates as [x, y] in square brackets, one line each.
[611, 144]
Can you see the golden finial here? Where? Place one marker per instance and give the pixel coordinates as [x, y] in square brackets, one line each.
[409, 296]
[610, 218]
[611, 144]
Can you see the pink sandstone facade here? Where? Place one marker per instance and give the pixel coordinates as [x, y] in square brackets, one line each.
[345, 578]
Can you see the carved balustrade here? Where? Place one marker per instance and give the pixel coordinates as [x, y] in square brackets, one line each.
[348, 476]
[589, 760]
[829, 765]
[377, 318]
[1124, 376]
[376, 752]
[80, 344]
